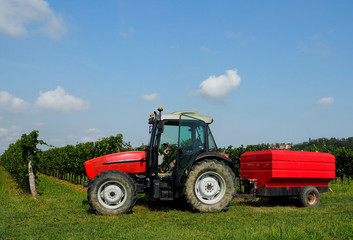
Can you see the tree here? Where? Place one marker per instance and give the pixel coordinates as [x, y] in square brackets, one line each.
[30, 155]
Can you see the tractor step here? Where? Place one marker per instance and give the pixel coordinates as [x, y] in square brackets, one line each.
[163, 189]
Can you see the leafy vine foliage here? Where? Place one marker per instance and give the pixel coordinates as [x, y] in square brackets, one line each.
[15, 158]
[67, 162]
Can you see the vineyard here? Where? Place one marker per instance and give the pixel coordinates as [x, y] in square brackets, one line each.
[67, 162]
[62, 212]
[64, 162]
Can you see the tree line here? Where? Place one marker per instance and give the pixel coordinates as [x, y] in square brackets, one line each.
[68, 162]
[61, 162]
[321, 143]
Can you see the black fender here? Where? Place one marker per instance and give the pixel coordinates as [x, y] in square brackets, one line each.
[181, 174]
[213, 155]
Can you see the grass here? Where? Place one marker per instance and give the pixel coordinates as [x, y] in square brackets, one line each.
[62, 212]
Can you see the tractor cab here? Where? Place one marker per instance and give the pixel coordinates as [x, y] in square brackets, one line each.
[177, 141]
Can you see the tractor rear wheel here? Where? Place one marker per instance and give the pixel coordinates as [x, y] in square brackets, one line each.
[210, 186]
[309, 196]
[112, 192]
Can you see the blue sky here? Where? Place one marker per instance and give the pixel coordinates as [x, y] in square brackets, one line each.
[266, 71]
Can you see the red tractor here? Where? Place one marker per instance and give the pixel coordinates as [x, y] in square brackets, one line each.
[180, 161]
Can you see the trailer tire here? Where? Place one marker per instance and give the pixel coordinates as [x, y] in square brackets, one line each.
[309, 196]
[209, 187]
[111, 193]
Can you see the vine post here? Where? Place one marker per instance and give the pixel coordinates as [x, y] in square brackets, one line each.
[31, 176]
[30, 156]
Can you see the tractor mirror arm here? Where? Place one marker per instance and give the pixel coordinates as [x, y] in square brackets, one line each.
[160, 127]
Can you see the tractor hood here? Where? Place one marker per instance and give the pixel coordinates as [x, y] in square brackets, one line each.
[128, 162]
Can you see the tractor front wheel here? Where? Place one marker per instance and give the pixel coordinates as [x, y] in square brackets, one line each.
[112, 192]
[210, 186]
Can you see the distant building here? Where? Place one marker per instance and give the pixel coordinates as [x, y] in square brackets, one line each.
[282, 146]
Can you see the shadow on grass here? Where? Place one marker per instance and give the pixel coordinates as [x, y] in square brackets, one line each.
[157, 205]
[89, 210]
[271, 202]
[162, 206]
[150, 204]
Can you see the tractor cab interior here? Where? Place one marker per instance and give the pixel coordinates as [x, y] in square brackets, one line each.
[180, 142]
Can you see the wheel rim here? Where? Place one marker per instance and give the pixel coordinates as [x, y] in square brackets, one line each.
[312, 198]
[112, 195]
[210, 187]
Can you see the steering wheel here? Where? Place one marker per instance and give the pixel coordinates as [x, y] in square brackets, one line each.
[171, 156]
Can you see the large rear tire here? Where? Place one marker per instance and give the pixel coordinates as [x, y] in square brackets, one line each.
[111, 193]
[309, 196]
[210, 187]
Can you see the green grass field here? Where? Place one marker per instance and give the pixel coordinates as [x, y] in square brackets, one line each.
[62, 212]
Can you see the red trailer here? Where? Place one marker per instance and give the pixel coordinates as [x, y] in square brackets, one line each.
[274, 173]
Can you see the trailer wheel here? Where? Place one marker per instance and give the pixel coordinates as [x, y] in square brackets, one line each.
[309, 196]
[210, 187]
[112, 192]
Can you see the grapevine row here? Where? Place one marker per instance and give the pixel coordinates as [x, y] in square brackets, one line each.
[67, 162]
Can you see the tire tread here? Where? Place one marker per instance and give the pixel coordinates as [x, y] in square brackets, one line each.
[188, 188]
[98, 180]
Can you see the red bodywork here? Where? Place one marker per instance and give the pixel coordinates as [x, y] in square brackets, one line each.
[276, 168]
[128, 162]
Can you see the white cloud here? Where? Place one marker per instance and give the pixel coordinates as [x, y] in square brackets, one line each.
[208, 50]
[88, 139]
[93, 130]
[59, 101]
[242, 38]
[316, 44]
[130, 32]
[219, 87]
[11, 134]
[94, 134]
[326, 101]
[150, 97]
[18, 17]
[39, 124]
[10, 103]
[3, 132]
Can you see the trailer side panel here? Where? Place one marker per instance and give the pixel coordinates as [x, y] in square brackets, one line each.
[287, 169]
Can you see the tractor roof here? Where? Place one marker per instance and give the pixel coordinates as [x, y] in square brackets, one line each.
[176, 115]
